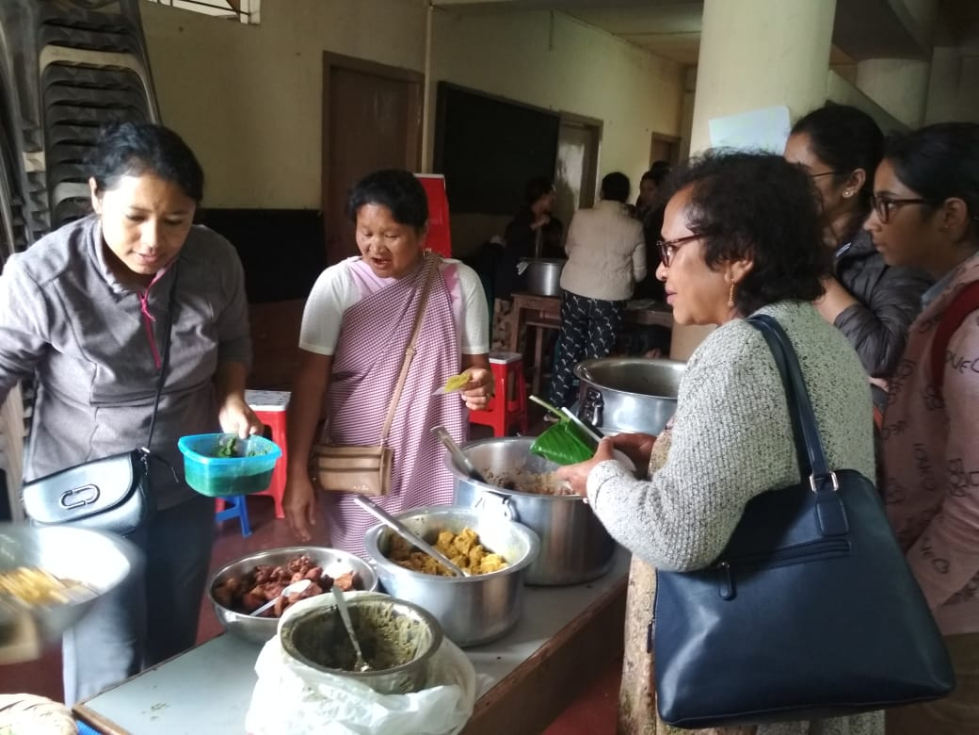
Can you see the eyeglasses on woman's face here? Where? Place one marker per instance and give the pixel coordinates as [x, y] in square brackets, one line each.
[668, 248]
[885, 206]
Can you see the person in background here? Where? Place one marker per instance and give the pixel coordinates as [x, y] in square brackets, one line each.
[741, 236]
[926, 215]
[533, 233]
[356, 326]
[606, 257]
[83, 312]
[872, 303]
[649, 211]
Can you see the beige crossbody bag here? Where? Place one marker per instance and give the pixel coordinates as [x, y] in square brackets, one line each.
[366, 470]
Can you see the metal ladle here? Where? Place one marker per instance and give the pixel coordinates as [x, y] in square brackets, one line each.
[399, 528]
[361, 664]
[460, 457]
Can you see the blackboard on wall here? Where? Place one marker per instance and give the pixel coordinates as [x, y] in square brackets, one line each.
[488, 148]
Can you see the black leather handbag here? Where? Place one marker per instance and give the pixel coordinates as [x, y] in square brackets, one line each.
[108, 494]
[811, 610]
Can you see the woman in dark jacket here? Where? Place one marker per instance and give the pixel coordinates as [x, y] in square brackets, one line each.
[871, 303]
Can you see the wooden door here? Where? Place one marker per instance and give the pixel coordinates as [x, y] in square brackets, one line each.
[664, 148]
[371, 120]
[576, 170]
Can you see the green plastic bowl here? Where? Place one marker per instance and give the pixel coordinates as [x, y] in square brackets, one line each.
[248, 471]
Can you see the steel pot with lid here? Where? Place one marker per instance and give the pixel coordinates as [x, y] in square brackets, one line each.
[574, 545]
[628, 394]
[541, 276]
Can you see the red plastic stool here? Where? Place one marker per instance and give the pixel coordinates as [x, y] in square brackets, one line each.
[508, 406]
[270, 407]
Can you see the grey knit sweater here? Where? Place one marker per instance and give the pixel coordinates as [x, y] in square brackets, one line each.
[732, 440]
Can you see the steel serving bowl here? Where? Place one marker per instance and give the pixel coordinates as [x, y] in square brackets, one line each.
[99, 561]
[315, 636]
[629, 394]
[260, 630]
[574, 545]
[471, 610]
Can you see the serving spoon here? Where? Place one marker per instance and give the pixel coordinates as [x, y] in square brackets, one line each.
[399, 528]
[290, 589]
[461, 458]
[361, 664]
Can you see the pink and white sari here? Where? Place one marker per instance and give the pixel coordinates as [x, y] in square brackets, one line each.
[368, 358]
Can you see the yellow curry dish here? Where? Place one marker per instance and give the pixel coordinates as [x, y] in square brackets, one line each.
[462, 549]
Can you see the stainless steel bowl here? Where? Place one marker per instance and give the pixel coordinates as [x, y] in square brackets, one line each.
[317, 634]
[629, 394]
[99, 561]
[575, 547]
[471, 610]
[261, 630]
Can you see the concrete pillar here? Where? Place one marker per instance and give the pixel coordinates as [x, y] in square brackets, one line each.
[900, 86]
[756, 54]
[943, 88]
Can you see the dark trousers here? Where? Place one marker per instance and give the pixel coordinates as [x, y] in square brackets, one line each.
[153, 615]
[588, 330]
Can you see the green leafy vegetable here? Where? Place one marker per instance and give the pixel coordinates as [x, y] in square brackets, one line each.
[227, 447]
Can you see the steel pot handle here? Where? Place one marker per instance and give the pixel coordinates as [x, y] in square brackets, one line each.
[592, 407]
[586, 373]
[496, 503]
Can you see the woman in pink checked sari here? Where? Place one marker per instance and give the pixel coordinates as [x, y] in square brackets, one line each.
[356, 325]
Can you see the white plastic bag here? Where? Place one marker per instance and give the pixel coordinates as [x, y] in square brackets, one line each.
[293, 698]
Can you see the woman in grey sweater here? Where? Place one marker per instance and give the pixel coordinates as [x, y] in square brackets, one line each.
[742, 237]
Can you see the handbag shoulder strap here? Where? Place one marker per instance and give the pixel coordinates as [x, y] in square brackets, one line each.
[809, 446]
[964, 303]
[431, 266]
[165, 360]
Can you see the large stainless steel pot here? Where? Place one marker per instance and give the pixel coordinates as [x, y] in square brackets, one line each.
[471, 610]
[575, 547]
[628, 394]
[541, 276]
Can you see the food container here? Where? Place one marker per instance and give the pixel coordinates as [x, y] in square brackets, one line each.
[541, 276]
[316, 637]
[471, 610]
[628, 394]
[248, 471]
[98, 561]
[259, 630]
[574, 545]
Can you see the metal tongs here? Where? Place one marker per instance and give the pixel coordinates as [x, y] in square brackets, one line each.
[399, 528]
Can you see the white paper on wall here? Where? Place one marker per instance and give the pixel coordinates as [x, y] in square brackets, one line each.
[766, 129]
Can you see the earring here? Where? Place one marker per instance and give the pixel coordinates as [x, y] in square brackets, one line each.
[847, 194]
[730, 296]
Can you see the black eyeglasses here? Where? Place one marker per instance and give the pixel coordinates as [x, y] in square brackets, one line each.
[885, 207]
[825, 173]
[668, 248]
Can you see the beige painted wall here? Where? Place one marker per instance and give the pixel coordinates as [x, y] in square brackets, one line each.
[248, 98]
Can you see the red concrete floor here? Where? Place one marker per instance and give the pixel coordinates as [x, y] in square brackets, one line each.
[593, 713]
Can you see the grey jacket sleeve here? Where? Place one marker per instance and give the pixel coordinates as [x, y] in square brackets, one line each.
[24, 316]
[877, 327]
[235, 344]
[721, 454]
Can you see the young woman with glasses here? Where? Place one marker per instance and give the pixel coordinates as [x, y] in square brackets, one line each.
[926, 215]
[872, 303]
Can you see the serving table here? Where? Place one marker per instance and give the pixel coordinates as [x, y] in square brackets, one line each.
[566, 636]
[544, 312]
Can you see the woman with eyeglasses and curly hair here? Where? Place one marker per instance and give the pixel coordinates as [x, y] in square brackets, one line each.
[742, 236]
[926, 215]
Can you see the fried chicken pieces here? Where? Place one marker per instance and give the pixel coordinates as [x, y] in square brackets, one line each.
[247, 592]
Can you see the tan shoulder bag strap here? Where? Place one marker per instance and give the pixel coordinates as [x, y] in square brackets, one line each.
[431, 269]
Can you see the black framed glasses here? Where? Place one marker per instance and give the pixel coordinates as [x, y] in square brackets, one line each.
[884, 206]
[668, 248]
[824, 173]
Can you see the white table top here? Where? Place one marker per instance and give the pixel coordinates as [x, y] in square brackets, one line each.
[208, 689]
